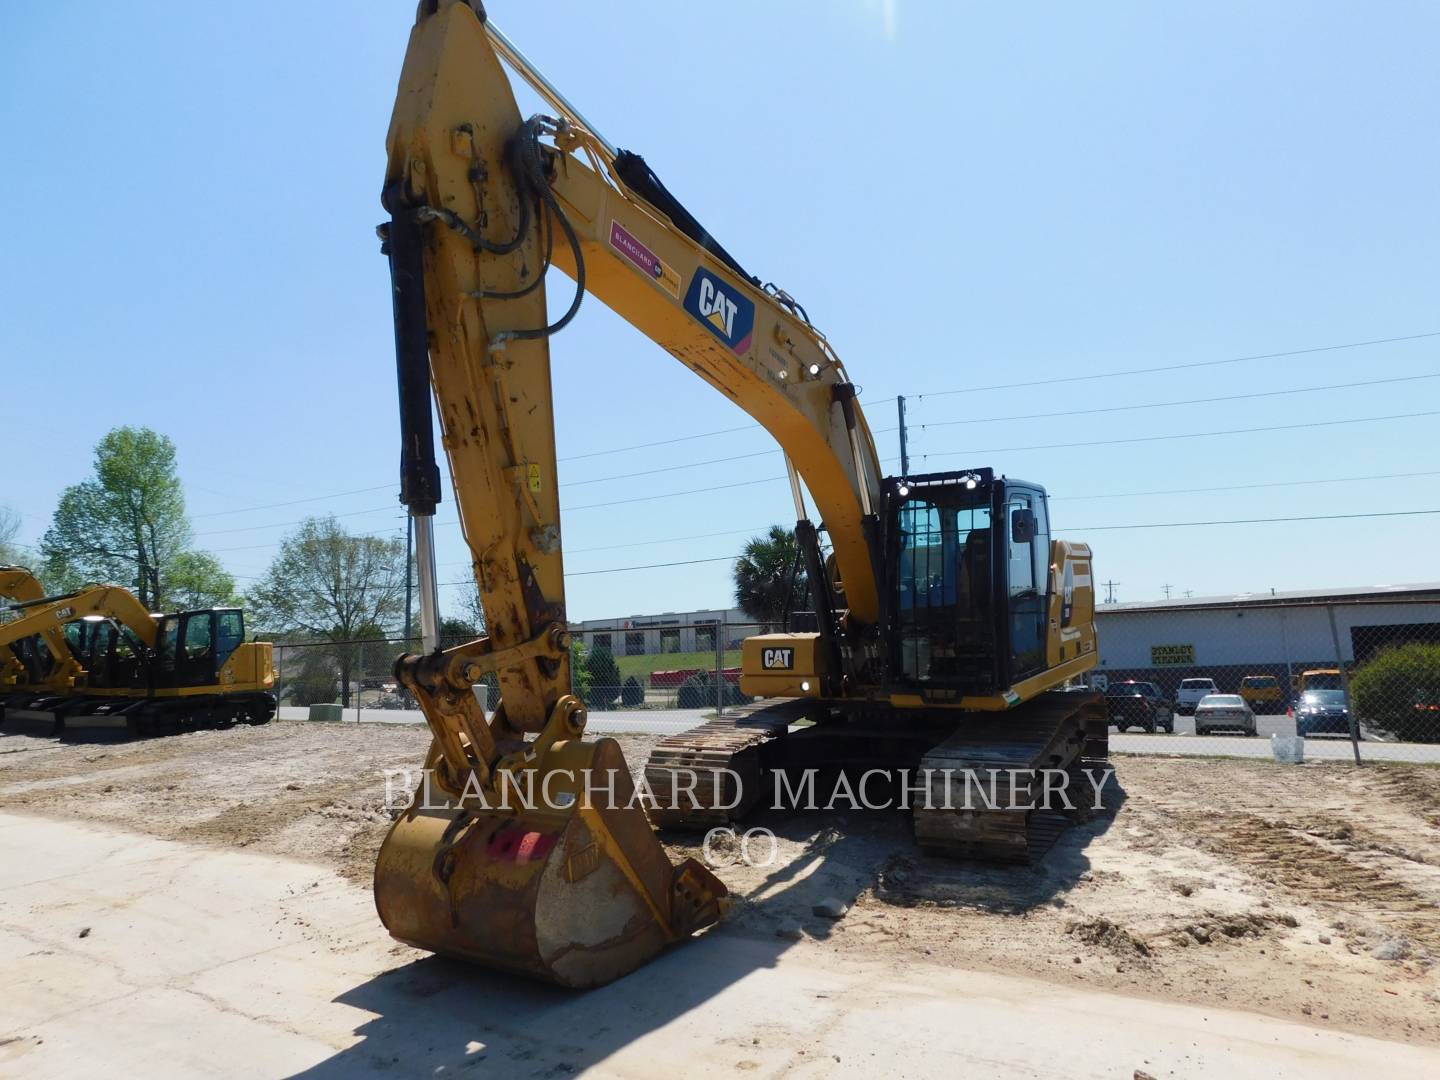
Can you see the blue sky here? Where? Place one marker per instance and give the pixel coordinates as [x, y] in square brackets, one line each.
[962, 195]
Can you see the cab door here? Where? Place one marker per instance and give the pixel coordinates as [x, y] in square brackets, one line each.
[1027, 580]
[195, 657]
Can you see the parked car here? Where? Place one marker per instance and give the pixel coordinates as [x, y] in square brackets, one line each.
[1191, 691]
[1139, 704]
[1321, 712]
[1224, 712]
[1263, 693]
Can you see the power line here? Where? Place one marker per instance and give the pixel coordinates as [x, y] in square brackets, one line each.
[1053, 498]
[1078, 529]
[767, 452]
[779, 479]
[574, 573]
[673, 494]
[299, 502]
[933, 393]
[649, 543]
[1173, 404]
[1248, 521]
[658, 442]
[774, 448]
[701, 435]
[298, 521]
[1181, 367]
[1249, 487]
[1185, 435]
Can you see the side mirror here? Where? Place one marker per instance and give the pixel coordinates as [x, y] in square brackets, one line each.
[1022, 526]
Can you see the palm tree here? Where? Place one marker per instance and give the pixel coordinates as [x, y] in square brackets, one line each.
[762, 573]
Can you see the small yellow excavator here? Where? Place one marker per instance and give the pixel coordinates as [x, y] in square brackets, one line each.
[140, 671]
[945, 617]
[39, 663]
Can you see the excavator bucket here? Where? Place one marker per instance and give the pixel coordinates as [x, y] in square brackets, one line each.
[567, 883]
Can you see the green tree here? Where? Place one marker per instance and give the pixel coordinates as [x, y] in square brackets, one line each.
[579, 669]
[328, 585]
[1399, 692]
[127, 525]
[763, 572]
[197, 580]
[457, 631]
[604, 677]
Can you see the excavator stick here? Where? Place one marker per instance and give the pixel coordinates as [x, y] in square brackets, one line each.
[525, 849]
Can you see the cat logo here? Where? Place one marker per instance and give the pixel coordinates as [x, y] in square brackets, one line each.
[777, 659]
[722, 309]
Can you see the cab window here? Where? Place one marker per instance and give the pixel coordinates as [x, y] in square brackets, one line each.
[229, 633]
[198, 639]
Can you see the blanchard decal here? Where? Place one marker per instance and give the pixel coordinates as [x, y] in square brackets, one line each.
[645, 260]
[722, 309]
[777, 659]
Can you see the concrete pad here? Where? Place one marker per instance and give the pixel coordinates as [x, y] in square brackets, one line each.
[209, 962]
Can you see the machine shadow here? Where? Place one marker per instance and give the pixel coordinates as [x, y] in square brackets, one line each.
[434, 1016]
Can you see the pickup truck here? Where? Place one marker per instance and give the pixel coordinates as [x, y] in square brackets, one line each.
[1191, 691]
[1139, 704]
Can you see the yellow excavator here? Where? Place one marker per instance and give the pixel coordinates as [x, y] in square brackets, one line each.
[137, 670]
[945, 618]
[39, 663]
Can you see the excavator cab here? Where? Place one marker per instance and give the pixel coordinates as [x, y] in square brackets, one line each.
[969, 557]
[193, 646]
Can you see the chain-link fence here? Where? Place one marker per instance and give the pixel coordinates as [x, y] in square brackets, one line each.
[661, 667]
[1354, 679]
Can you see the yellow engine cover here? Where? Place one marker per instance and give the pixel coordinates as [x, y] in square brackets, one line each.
[782, 665]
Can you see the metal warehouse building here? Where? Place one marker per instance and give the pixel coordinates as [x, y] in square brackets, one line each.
[1282, 634]
[671, 632]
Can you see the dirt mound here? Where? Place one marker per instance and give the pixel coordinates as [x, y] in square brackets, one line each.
[1106, 934]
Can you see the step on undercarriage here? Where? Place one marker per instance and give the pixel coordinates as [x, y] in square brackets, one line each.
[996, 787]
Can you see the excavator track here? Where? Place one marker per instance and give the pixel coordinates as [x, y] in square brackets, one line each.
[995, 807]
[714, 773]
[707, 760]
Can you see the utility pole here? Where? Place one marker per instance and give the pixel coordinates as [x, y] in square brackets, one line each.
[904, 453]
[1110, 590]
[1189, 593]
[1167, 589]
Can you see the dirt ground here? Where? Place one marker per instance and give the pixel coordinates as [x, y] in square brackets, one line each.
[1303, 892]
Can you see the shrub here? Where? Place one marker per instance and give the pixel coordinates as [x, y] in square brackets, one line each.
[1398, 692]
[579, 671]
[604, 678]
[695, 693]
[698, 692]
[632, 694]
[312, 687]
